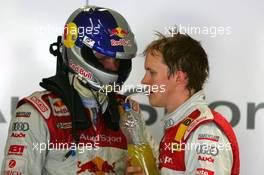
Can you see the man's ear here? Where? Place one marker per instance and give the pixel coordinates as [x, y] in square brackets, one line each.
[181, 77]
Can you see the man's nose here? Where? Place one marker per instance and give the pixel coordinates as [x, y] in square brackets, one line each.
[144, 80]
[110, 64]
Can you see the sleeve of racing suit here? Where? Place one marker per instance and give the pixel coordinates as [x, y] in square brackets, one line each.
[27, 135]
[208, 151]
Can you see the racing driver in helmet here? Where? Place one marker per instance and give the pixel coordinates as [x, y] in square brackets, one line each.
[73, 126]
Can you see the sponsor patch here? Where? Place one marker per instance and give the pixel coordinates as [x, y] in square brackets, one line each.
[187, 121]
[11, 163]
[202, 171]
[120, 42]
[18, 135]
[67, 125]
[88, 41]
[17, 150]
[182, 128]
[58, 107]
[101, 138]
[207, 149]
[97, 166]
[208, 137]
[168, 160]
[196, 122]
[13, 172]
[39, 103]
[14, 166]
[80, 70]
[118, 31]
[23, 114]
[205, 158]
[20, 126]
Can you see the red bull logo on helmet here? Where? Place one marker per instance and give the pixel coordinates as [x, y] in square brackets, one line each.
[118, 31]
[97, 166]
[120, 42]
[80, 70]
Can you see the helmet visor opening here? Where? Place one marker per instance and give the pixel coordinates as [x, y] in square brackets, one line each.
[90, 58]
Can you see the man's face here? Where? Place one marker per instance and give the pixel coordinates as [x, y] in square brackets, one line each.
[108, 63]
[157, 75]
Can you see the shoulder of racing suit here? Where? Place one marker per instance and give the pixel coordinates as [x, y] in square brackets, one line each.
[200, 117]
[58, 118]
[49, 104]
[198, 121]
[46, 103]
[192, 122]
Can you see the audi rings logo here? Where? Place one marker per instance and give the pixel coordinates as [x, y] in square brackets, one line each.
[208, 150]
[20, 126]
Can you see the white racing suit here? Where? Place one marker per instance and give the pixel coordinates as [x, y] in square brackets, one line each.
[40, 140]
[198, 141]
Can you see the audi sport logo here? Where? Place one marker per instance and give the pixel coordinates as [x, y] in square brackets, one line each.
[18, 135]
[204, 158]
[20, 126]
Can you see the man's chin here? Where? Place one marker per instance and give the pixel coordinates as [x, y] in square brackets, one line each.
[154, 103]
[152, 100]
